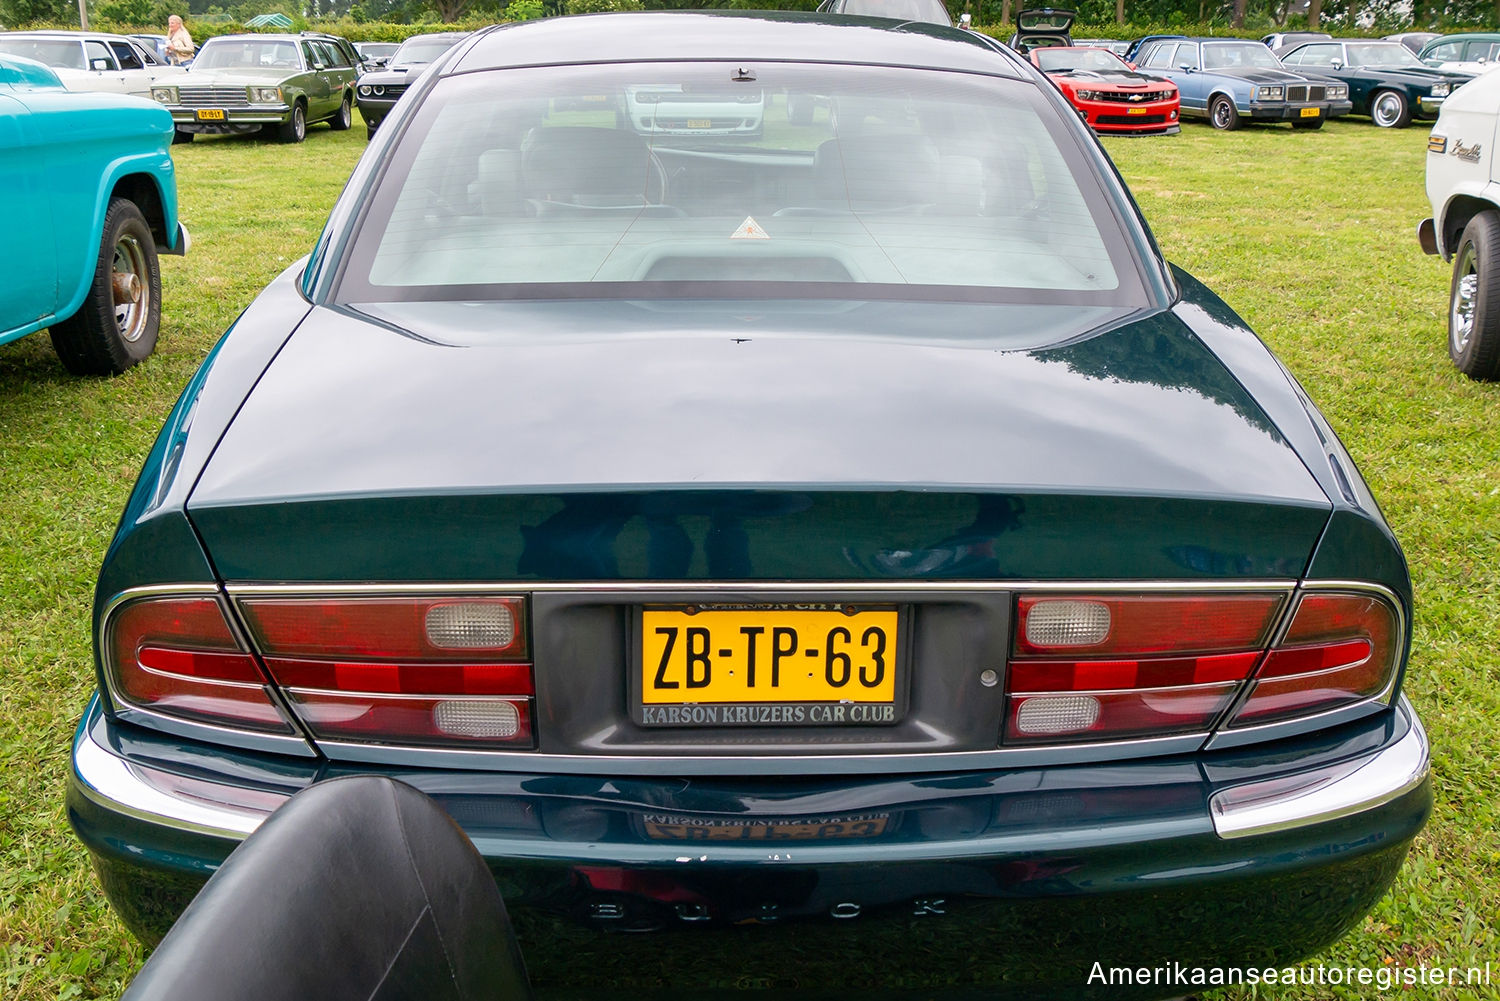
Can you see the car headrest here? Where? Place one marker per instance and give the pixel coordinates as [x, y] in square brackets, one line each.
[589, 165]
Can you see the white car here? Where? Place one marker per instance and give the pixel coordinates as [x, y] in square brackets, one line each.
[668, 109]
[1465, 223]
[91, 60]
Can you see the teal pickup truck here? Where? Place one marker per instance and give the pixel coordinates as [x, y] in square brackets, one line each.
[87, 184]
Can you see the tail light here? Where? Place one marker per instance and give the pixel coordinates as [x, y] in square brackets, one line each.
[179, 657]
[416, 671]
[1339, 649]
[1107, 667]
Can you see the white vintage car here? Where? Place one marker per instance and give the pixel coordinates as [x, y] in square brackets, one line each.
[93, 61]
[1465, 222]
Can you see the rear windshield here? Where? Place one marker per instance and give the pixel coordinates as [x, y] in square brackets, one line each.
[783, 180]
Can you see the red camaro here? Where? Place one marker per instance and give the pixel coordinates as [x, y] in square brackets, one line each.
[1108, 92]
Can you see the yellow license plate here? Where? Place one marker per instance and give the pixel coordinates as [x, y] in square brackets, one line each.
[1310, 112]
[1136, 111]
[825, 830]
[210, 115]
[699, 123]
[768, 666]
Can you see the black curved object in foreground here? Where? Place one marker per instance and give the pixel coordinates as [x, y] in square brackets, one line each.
[357, 888]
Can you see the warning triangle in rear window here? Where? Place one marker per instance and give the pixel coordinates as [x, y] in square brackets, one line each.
[749, 230]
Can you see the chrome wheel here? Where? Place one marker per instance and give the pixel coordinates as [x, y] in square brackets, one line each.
[1389, 110]
[1465, 295]
[131, 286]
[1222, 114]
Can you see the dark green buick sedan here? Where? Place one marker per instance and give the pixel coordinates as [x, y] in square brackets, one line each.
[849, 557]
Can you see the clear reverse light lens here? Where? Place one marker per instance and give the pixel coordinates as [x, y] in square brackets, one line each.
[470, 626]
[488, 720]
[1054, 714]
[1065, 623]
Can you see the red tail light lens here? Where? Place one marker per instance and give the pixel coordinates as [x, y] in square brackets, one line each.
[421, 630]
[1339, 649]
[410, 671]
[1109, 667]
[179, 657]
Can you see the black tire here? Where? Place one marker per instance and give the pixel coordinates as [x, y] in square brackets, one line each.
[345, 117]
[1474, 299]
[1311, 125]
[1390, 109]
[106, 336]
[179, 136]
[294, 129]
[1222, 114]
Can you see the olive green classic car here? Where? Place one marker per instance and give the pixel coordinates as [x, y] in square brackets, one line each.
[245, 83]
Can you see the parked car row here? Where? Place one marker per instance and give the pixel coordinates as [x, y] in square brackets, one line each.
[1232, 81]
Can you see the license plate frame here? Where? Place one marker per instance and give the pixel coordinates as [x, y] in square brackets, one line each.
[700, 123]
[210, 114]
[742, 714]
[1310, 112]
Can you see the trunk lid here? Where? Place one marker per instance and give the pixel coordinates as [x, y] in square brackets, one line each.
[617, 441]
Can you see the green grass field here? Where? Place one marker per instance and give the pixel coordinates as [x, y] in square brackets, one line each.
[1309, 235]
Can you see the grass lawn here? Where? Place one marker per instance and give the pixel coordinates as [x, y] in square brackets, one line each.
[1309, 235]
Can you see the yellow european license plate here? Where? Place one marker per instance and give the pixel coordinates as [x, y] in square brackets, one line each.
[210, 115]
[700, 123]
[768, 666]
[1310, 112]
[817, 830]
[1136, 111]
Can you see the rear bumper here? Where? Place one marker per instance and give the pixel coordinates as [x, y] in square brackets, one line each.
[1018, 879]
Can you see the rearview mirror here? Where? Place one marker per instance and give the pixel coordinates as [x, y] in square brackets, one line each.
[100, 65]
[1337, 64]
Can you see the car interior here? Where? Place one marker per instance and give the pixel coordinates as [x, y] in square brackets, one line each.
[879, 187]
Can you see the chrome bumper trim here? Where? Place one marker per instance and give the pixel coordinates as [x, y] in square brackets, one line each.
[1427, 236]
[1340, 790]
[120, 787]
[183, 244]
